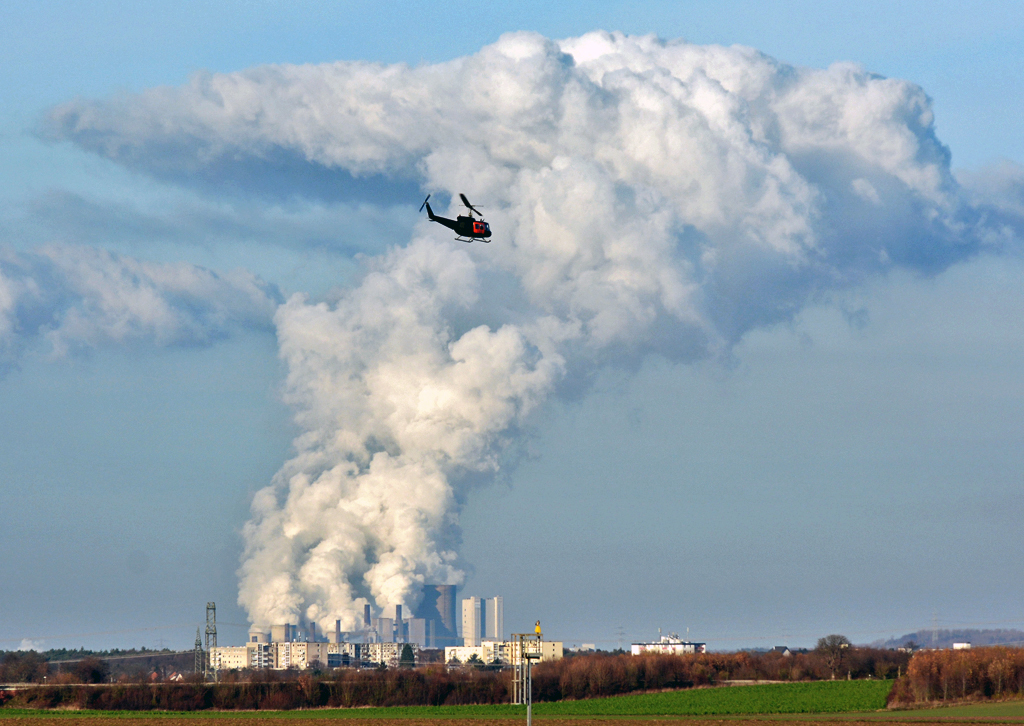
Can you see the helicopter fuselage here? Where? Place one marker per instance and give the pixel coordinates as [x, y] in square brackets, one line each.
[464, 226]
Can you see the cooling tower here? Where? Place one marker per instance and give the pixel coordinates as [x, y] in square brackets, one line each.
[438, 604]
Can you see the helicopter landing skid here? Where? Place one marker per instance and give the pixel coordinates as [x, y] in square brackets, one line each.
[472, 239]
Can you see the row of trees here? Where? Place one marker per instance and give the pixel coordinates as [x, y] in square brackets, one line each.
[31, 667]
[944, 675]
[594, 676]
[345, 689]
[91, 667]
[583, 676]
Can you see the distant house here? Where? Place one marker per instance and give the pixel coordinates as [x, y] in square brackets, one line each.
[781, 649]
[961, 646]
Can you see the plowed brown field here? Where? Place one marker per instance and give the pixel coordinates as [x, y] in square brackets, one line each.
[917, 718]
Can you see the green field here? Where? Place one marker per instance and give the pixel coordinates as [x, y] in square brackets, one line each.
[816, 697]
[826, 697]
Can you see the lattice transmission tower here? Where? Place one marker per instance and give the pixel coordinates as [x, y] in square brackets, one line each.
[200, 666]
[211, 632]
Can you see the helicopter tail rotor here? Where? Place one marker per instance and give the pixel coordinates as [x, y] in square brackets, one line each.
[424, 203]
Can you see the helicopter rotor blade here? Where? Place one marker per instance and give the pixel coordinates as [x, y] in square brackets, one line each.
[470, 206]
[424, 202]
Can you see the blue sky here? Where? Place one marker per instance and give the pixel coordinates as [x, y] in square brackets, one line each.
[854, 468]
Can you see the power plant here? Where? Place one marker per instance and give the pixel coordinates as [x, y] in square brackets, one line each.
[380, 640]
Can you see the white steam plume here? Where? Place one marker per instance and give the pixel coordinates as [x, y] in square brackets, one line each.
[394, 405]
[645, 196]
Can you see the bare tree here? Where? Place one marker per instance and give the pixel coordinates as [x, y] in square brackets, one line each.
[832, 648]
[91, 670]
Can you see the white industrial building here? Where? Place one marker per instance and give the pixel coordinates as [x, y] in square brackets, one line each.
[488, 651]
[546, 649]
[669, 645]
[503, 651]
[229, 658]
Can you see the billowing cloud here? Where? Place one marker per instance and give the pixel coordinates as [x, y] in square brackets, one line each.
[83, 297]
[194, 220]
[646, 197]
[997, 192]
[394, 405]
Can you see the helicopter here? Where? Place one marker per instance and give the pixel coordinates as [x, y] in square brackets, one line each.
[467, 228]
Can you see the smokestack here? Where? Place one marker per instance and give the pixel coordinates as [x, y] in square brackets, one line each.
[366, 616]
[398, 613]
[337, 631]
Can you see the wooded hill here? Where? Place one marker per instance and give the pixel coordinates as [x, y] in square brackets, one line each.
[948, 675]
[945, 638]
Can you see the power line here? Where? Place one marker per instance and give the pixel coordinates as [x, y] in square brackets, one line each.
[98, 632]
[154, 654]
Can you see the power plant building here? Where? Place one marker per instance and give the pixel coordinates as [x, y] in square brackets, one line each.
[471, 617]
[494, 618]
[482, 618]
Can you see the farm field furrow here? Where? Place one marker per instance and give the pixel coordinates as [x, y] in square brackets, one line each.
[920, 718]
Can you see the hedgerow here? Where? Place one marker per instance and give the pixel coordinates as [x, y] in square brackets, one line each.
[575, 678]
